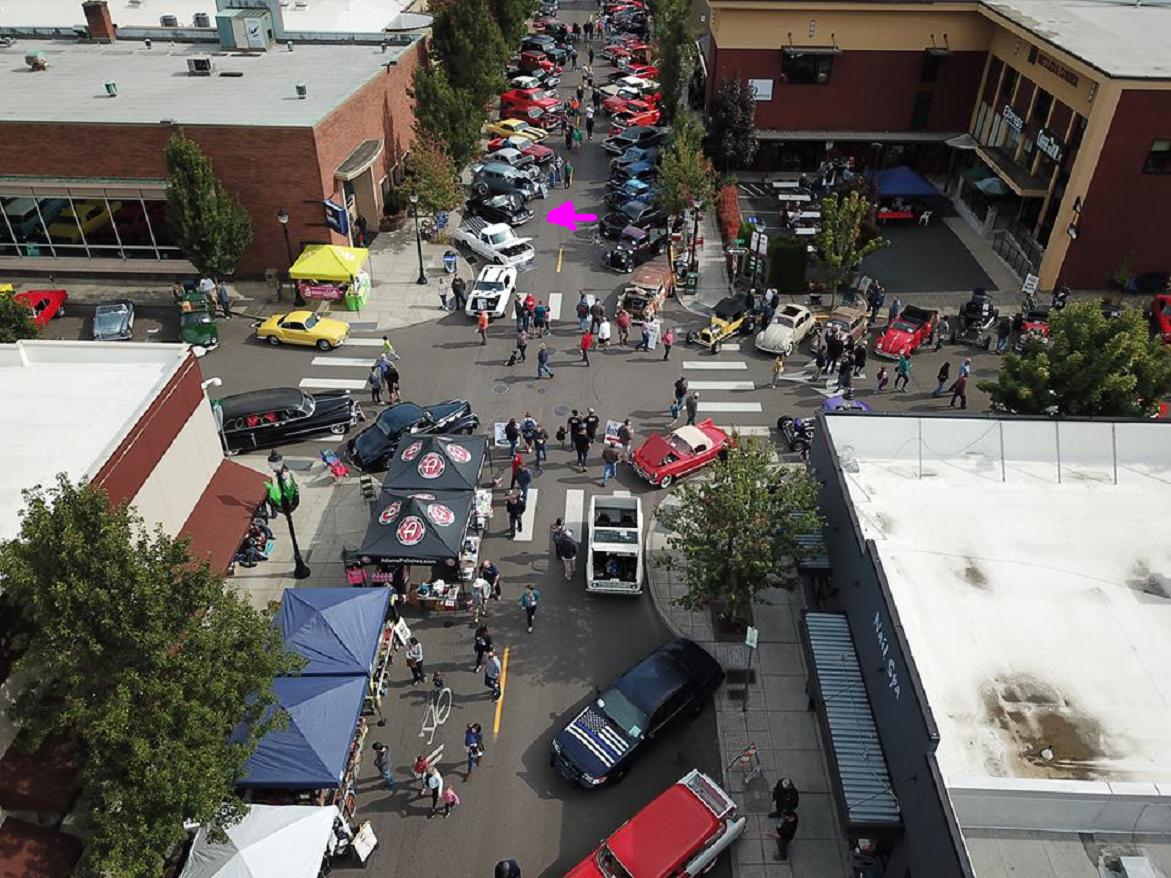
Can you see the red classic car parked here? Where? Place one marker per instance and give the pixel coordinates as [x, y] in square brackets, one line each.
[913, 328]
[662, 459]
[539, 152]
[646, 71]
[630, 118]
[527, 103]
[626, 100]
[45, 304]
[532, 60]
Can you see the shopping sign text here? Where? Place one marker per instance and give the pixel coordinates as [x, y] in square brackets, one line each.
[892, 677]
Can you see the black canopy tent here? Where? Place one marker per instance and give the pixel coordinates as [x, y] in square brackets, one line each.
[416, 527]
[436, 463]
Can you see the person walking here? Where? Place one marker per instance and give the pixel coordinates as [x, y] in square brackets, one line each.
[482, 326]
[902, 373]
[582, 310]
[596, 99]
[443, 294]
[569, 165]
[941, 378]
[597, 314]
[625, 437]
[859, 358]
[434, 783]
[530, 599]
[388, 348]
[590, 120]
[568, 137]
[943, 332]
[587, 342]
[414, 656]
[375, 382]
[959, 391]
[540, 318]
[581, 444]
[591, 423]
[1003, 331]
[539, 445]
[491, 573]
[893, 312]
[604, 332]
[566, 548]
[577, 139]
[644, 343]
[691, 405]
[473, 746]
[846, 371]
[450, 799]
[524, 478]
[881, 379]
[875, 298]
[419, 771]
[515, 506]
[225, 299]
[522, 344]
[512, 436]
[680, 389]
[481, 594]
[610, 459]
[966, 367]
[482, 640]
[786, 829]
[492, 672]
[573, 59]
[543, 370]
[834, 348]
[459, 292]
[778, 370]
[622, 321]
[785, 797]
[383, 767]
[668, 339]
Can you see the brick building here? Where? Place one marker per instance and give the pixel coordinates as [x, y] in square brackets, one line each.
[288, 125]
[1050, 120]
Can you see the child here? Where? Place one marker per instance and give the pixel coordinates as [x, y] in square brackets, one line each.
[450, 799]
[883, 378]
[419, 770]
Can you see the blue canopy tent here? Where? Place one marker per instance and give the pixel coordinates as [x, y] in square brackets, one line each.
[337, 630]
[901, 182]
[311, 751]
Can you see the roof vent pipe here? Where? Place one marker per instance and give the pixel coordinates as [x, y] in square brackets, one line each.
[302, 90]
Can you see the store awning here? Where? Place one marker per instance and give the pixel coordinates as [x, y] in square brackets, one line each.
[272, 841]
[330, 262]
[29, 851]
[359, 160]
[336, 630]
[831, 136]
[418, 527]
[1017, 179]
[437, 463]
[901, 181]
[217, 523]
[855, 747]
[312, 750]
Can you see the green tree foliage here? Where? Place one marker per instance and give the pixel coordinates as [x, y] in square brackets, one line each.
[432, 174]
[447, 114]
[676, 51]
[512, 18]
[685, 173]
[1091, 367]
[730, 141]
[209, 223]
[841, 244]
[737, 530]
[144, 658]
[466, 40]
[16, 320]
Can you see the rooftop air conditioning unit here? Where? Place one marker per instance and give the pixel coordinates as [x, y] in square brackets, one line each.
[199, 65]
[201, 19]
[168, 21]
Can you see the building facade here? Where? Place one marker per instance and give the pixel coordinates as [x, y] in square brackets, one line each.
[1049, 121]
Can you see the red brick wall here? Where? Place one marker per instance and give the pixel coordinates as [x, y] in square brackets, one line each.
[867, 91]
[1125, 211]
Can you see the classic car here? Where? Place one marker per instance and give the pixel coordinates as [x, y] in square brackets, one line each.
[529, 103]
[371, 449]
[304, 328]
[634, 155]
[646, 89]
[646, 294]
[536, 60]
[500, 178]
[197, 323]
[546, 44]
[633, 189]
[662, 459]
[506, 208]
[81, 219]
[514, 158]
[494, 242]
[850, 320]
[646, 170]
[614, 555]
[539, 153]
[491, 291]
[731, 316]
[680, 833]
[637, 136]
[517, 127]
[630, 213]
[599, 744]
[621, 97]
[790, 325]
[545, 83]
[635, 246]
[114, 321]
[1032, 325]
[45, 304]
[630, 118]
[266, 418]
[914, 327]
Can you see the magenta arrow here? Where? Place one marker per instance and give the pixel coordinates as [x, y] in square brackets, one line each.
[565, 215]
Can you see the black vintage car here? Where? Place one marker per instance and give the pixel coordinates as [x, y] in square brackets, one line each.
[506, 208]
[600, 743]
[266, 418]
[635, 246]
[639, 135]
[371, 449]
[631, 213]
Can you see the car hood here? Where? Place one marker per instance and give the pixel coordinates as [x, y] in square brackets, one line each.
[893, 340]
[593, 743]
[112, 325]
[587, 868]
[653, 453]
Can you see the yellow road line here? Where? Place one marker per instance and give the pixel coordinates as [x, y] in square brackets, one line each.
[500, 701]
[560, 254]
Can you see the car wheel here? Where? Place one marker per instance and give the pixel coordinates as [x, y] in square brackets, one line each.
[480, 189]
[273, 340]
[616, 777]
[665, 481]
[339, 429]
[324, 345]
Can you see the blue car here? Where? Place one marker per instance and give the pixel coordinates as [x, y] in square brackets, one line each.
[644, 170]
[635, 154]
[631, 190]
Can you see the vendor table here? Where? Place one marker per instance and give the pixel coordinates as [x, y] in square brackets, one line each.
[438, 595]
[884, 215]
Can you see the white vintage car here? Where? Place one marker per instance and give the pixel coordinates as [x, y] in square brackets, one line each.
[614, 561]
[491, 291]
[790, 325]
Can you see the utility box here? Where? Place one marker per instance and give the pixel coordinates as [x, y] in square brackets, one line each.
[245, 29]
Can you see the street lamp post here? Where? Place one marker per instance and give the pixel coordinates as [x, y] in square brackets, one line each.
[695, 207]
[283, 219]
[414, 196]
[277, 463]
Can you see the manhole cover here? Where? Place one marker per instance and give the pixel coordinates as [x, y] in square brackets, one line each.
[500, 389]
[561, 410]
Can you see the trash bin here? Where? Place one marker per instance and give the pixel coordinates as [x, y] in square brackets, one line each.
[692, 283]
[449, 260]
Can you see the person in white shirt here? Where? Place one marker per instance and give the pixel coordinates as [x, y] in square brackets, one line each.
[414, 656]
[481, 594]
[604, 333]
[434, 781]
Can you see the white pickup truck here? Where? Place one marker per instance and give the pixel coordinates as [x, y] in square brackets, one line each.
[614, 559]
[494, 242]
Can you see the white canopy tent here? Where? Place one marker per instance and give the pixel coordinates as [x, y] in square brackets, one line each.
[273, 841]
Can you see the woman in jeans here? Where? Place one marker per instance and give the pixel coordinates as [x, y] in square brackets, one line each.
[414, 656]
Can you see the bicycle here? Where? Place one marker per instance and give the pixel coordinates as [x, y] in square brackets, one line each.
[438, 710]
[748, 761]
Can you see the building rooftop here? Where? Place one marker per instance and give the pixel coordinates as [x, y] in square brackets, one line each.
[68, 405]
[1033, 585]
[259, 89]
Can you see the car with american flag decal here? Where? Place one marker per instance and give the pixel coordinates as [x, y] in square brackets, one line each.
[671, 684]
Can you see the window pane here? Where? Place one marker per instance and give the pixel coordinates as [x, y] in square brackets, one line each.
[1159, 158]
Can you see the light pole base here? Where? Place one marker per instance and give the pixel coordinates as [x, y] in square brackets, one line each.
[422, 281]
[301, 571]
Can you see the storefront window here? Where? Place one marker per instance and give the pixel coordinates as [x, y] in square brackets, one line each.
[1159, 158]
[806, 69]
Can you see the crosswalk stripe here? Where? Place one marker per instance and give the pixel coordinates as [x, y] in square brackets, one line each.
[746, 431]
[555, 305]
[725, 365]
[575, 512]
[333, 383]
[730, 407]
[355, 362]
[621, 493]
[730, 346]
[721, 385]
[364, 342]
[525, 534]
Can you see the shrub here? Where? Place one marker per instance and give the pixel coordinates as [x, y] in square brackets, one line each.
[728, 213]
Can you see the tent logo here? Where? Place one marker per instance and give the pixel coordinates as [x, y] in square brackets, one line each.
[411, 530]
[431, 466]
[457, 453]
[423, 496]
[390, 513]
[440, 514]
[411, 451]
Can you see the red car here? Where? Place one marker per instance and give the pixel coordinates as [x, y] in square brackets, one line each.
[527, 103]
[680, 833]
[913, 328]
[622, 102]
[539, 152]
[45, 304]
[662, 459]
[630, 118]
[645, 71]
[532, 60]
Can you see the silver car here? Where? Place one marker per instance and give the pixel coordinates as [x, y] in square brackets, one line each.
[114, 321]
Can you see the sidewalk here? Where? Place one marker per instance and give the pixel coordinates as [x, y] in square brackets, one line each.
[777, 720]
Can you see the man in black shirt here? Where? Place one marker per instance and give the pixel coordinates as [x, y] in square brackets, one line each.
[591, 426]
[572, 425]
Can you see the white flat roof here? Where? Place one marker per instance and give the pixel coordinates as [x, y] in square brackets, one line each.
[153, 84]
[68, 405]
[1038, 608]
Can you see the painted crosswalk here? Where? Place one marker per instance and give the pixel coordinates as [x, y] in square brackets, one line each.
[716, 365]
[525, 534]
[705, 406]
[343, 362]
[721, 385]
[574, 517]
[332, 383]
[555, 305]
[749, 430]
[363, 342]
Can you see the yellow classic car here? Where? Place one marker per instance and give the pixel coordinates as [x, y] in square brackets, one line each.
[303, 327]
[90, 215]
[517, 128]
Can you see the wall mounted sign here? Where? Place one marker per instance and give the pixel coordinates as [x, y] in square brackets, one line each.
[892, 676]
[762, 89]
[1048, 143]
[1011, 117]
[1057, 69]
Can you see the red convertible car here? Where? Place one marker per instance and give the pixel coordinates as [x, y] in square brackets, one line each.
[662, 459]
[45, 304]
[913, 328]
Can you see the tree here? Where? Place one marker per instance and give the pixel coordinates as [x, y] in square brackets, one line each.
[737, 531]
[730, 123]
[512, 18]
[676, 60]
[447, 114]
[143, 658]
[16, 321]
[1091, 367]
[467, 41]
[433, 175]
[210, 224]
[841, 244]
[685, 173]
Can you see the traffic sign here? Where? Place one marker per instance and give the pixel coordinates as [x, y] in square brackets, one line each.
[736, 251]
[1030, 285]
[754, 221]
[762, 244]
[751, 636]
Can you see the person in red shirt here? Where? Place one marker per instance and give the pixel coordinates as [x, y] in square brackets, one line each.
[482, 326]
[622, 319]
[587, 342]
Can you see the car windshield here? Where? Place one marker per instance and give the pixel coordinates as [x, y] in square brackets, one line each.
[609, 865]
[623, 712]
[520, 126]
[783, 320]
[489, 286]
[109, 320]
[194, 318]
[680, 446]
[903, 326]
[311, 321]
[499, 237]
[398, 418]
[633, 209]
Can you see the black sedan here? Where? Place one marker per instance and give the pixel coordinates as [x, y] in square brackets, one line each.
[506, 208]
[638, 135]
[267, 418]
[371, 449]
[599, 744]
[632, 213]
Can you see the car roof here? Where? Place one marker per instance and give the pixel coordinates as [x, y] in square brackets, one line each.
[300, 316]
[660, 838]
[730, 306]
[252, 401]
[692, 435]
[652, 681]
[792, 310]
